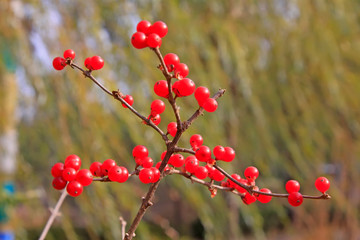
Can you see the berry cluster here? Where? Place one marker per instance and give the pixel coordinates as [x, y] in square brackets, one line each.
[157, 107]
[148, 35]
[69, 175]
[109, 168]
[148, 174]
[91, 63]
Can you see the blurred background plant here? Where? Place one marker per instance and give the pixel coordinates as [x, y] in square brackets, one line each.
[291, 69]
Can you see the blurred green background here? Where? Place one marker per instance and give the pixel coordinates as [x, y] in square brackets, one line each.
[292, 108]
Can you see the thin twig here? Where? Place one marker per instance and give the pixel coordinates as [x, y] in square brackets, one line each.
[53, 215]
[123, 226]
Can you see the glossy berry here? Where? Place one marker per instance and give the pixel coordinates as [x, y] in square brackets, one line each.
[295, 199]
[72, 161]
[161, 88]
[229, 154]
[172, 128]
[118, 174]
[74, 188]
[95, 169]
[146, 175]
[203, 153]
[175, 88]
[215, 174]
[322, 184]
[159, 28]
[171, 59]
[153, 40]
[181, 70]
[59, 63]
[237, 178]
[107, 164]
[264, 198]
[201, 94]
[196, 140]
[69, 174]
[57, 169]
[156, 174]
[129, 99]
[210, 105]
[292, 186]
[157, 107]
[69, 54]
[249, 199]
[191, 163]
[87, 63]
[251, 173]
[239, 188]
[143, 26]
[84, 177]
[201, 172]
[96, 63]
[219, 152]
[140, 151]
[186, 87]
[147, 162]
[177, 160]
[139, 40]
[59, 183]
[156, 119]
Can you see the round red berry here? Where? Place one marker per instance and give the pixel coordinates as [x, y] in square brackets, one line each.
[201, 94]
[140, 151]
[73, 161]
[146, 175]
[106, 165]
[139, 40]
[143, 26]
[196, 140]
[295, 199]
[69, 54]
[171, 59]
[172, 128]
[87, 63]
[129, 99]
[248, 199]
[95, 169]
[59, 63]
[57, 169]
[322, 184]
[69, 174]
[157, 107]
[229, 154]
[74, 188]
[186, 87]
[201, 172]
[159, 28]
[237, 178]
[215, 174]
[210, 105]
[292, 186]
[161, 88]
[219, 152]
[177, 160]
[251, 173]
[147, 162]
[203, 153]
[59, 183]
[96, 63]
[156, 119]
[156, 174]
[153, 40]
[118, 174]
[181, 70]
[191, 163]
[264, 198]
[84, 177]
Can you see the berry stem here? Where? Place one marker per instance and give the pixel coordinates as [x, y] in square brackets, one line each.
[53, 215]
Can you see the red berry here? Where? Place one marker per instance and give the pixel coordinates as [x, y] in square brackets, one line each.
[191, 163]
[159, 28]
[96, 63]
[74, 188]
[95, 169]
[175, 89]
[69, 174]
[203, 153]
[84, 177]
[107, 164]
[153, 40]
[201, 172]
[196, 140]
[118, 174]
[249, 199]
[219, 152]
[201, 94]
[264, 198]
[157, 107]
[156, 174]
[172, 128]
[143, 26]
[177, 160]
[140, 151]
[215, 174]
[87, 63]
[155, 119]
[292, 186]
[295, 199]
[57, 169]
[147, 162]
[322, 184]
[251, 173]
[59, 63]
[237, 178]
[146, 175]
[210, 105]
[59, 183]
[69, 54]
[72, 161]
[171, 59]
[161, 88]
[129, 99]
[229, 154]
[186, 87]
[181, 70]
[139, 40]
